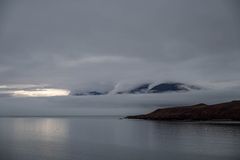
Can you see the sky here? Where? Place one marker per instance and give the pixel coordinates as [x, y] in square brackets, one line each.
[69, 44]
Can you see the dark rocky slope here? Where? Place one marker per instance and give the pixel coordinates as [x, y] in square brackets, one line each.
[203, 112]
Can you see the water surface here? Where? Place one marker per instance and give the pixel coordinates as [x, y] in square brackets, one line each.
[108, 137]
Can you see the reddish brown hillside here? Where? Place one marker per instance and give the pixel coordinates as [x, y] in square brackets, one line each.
[223, 111]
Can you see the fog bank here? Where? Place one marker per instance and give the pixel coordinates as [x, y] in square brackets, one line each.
[109, 104]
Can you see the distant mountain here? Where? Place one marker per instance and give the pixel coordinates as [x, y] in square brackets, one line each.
[171, 87]
[199, 112]
[140, 89]
[146, 88]
[160, 88]
[79, 93]
[143, 88]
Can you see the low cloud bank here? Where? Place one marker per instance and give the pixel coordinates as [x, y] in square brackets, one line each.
[110, 104]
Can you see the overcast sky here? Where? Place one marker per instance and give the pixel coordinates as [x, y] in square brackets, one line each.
[83, 43]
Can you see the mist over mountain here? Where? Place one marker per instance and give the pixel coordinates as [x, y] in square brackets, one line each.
[83, 93]
[144, 88]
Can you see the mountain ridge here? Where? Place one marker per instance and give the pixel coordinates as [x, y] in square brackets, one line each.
[144, 88]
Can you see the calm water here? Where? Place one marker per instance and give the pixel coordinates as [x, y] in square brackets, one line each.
[105, 138]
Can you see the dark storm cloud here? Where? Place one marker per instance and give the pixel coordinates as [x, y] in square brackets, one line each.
[102, 42]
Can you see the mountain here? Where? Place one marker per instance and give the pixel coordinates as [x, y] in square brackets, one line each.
[146, 88]
[160, 88]
[143, 88]
[203, 112]
[168, 87]
[79, 93]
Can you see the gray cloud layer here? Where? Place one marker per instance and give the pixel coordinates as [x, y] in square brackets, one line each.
[110, 104]
[70, 43]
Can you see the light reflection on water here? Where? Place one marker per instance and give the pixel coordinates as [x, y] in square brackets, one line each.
[44, 128]
[111, 138]
[34, 138]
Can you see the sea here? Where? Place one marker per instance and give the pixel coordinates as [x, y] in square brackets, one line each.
[95, 129]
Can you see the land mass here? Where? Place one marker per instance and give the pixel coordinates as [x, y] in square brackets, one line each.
[200, 112]
[145, 88]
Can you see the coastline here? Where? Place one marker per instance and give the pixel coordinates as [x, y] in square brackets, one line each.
[229, 111]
